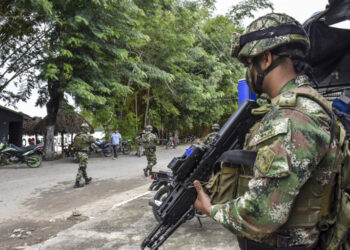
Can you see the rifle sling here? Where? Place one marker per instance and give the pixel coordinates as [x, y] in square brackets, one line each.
[238, 157]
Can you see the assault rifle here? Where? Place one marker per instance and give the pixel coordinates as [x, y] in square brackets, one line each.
[197, 164]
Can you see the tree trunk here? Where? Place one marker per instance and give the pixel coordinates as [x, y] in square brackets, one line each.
[147, 107]
[52, 108]
[136, 126]
[62, 144]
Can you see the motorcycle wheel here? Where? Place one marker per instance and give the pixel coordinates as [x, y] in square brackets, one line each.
[33, 161]
[168, 145]
[126, 149]
[160, 196]
[107, 154]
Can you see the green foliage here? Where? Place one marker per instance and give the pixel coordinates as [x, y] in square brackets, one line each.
[246, 8]
[126, 62]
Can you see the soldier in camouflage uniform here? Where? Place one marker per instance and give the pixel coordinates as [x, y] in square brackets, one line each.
[149, 141]
[82, 142]
[210, 137]
[278, 202]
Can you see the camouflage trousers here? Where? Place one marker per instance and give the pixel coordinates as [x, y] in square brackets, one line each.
[82, 158]
[151, 158]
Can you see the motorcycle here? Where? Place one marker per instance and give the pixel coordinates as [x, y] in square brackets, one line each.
[163, 184]
[140, 150]
[190, 139]
[101, 147]
[171, 143]
[125, 148]
[31, 155]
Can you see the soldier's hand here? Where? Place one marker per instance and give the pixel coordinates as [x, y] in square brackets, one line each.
[202, 202]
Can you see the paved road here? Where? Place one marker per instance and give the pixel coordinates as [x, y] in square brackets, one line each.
[114, 207]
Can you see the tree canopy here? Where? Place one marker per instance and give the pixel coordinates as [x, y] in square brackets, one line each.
[126, 63]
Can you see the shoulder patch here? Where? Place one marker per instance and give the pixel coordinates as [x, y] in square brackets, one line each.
[264, 159]
[288, 99]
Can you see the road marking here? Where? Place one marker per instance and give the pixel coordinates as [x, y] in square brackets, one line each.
[124, 202]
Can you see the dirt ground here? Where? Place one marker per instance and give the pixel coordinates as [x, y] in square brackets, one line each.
[37, 206]
[23, 233]
[52, 211]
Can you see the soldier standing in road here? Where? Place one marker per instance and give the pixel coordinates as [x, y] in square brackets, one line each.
[149, 141]
[210, 137]
[82, 142]
[281, 197]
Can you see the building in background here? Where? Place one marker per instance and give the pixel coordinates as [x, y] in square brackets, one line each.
[11, 125]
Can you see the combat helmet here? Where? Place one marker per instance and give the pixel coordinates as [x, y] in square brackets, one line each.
[278, 33]
[84, 126]
[215, 127]
[270, 32]
[148, 127]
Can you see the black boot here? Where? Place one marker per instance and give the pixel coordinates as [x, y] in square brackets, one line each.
[145, 171]
[88, 180]
[78, 185]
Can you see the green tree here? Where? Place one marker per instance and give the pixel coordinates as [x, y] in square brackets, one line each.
[85, 54]
[246, 9]
[22, 37]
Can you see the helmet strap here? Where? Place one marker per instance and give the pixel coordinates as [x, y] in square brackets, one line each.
[262, 73]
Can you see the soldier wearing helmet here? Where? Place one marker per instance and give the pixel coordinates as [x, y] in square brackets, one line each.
[82, 142]
[211, 136]
[274, 203]
[149, 141]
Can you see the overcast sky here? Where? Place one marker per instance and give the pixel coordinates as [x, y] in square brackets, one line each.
[299, 9]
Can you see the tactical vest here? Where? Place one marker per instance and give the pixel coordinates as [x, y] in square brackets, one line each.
[149, 140]
[210, 138]
[82, 142]
[325, 207]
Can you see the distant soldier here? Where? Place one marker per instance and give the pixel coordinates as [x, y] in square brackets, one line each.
[82, 142]
[210, 137]
[149, 141]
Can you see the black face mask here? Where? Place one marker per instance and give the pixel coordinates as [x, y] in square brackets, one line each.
[256, 86]
[250, 81]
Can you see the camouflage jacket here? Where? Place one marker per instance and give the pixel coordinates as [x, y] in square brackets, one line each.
[149, 140]
[209, 138]
[293, 146]
[83, 141]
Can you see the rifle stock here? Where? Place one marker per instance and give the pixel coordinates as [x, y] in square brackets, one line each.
[197, 164]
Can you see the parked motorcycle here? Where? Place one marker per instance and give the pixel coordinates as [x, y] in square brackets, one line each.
[31, 155]
[140, 150]
[171, 143]
[101, 147]
[163, 184]
[126, 147]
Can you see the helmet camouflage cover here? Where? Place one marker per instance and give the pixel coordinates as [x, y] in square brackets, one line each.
[84, 126]
[149, 127]
[215, 126]
[270, 32]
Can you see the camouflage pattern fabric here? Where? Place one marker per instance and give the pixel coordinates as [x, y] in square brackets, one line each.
[293, 146]
[151, 158]
[82, 158]
[209, 138]
[257, 47]
[149, 142]
[82, 142]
